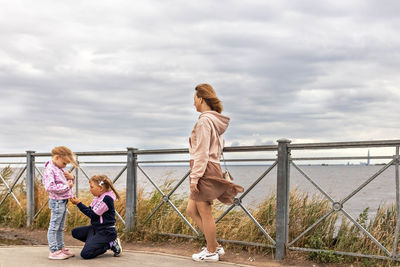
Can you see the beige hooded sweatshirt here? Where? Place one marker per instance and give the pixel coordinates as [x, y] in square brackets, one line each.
[203, 143]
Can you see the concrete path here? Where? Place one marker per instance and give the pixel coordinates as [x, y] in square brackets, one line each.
[21, 256]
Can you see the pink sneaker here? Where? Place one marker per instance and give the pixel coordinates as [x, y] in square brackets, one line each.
[67, 252]
[57, 255]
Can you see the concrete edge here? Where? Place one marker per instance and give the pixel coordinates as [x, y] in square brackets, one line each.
[134, 251]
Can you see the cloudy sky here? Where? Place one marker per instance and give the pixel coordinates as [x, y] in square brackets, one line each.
[105, 75]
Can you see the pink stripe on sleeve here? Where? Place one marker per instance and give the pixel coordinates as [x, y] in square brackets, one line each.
[100, 208]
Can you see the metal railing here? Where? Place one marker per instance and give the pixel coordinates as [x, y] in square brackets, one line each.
[166, 197]
[339, 205]
[132, 167]
[282, 163]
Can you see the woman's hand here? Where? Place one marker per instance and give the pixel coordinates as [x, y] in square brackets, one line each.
[193, 188]
[74, 200]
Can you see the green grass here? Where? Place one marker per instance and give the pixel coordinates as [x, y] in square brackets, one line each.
[304, 211]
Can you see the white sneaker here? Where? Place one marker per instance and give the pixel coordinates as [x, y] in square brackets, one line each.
[220, 250]
[116, 247]
[205, 255]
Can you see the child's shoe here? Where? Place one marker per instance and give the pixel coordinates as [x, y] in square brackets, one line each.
[67, 252]
[57, 255]
[116, 247]
[205, 255]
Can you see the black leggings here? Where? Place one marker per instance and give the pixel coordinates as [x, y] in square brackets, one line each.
[97, 241]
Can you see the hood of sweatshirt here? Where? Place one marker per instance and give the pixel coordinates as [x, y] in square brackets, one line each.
[100, 198]
[109, 193]
[220, 121]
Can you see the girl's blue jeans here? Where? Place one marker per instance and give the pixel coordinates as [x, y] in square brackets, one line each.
[55, 234]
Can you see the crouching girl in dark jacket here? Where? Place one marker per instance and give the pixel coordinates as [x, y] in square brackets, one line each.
[101, 235]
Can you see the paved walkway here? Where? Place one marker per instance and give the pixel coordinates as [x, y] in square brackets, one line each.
[17, 256]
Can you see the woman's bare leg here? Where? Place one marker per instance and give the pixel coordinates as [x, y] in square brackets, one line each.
[192, 211]
[209, 228]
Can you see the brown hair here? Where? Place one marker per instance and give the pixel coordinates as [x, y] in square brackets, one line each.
[206, 92]
[65, 153]
[106, 182]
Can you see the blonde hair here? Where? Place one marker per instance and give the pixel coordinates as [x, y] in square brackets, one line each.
[106, 182]
[207, 92]
[65, 153]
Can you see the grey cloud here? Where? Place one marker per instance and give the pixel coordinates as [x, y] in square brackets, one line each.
[102, 76]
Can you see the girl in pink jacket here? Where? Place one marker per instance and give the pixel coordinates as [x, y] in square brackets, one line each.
[58, 183]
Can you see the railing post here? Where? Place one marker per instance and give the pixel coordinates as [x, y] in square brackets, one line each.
[397, 179]
[77, 178]
[282, 199]
[131, 190]
[30, 187]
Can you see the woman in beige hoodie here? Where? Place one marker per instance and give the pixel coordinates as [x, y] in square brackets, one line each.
[206, 179]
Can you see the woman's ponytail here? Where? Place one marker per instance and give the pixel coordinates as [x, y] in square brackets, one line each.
[206, 92]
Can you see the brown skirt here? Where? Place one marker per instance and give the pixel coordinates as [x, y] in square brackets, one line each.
[213, 186]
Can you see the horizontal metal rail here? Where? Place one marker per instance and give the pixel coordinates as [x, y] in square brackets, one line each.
[93, 162]
[146, 161]
[226, 160]
[343, 253]
[226, 149]
[147, 152]
[342, 158]
[336, 145]
[330, 145]
[92, 153]
[237, 242]
[12, 163]
[19, 155]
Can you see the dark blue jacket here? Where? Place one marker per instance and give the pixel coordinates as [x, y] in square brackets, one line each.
[101, 211]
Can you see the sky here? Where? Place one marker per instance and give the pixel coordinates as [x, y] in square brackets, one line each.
[106, 75]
